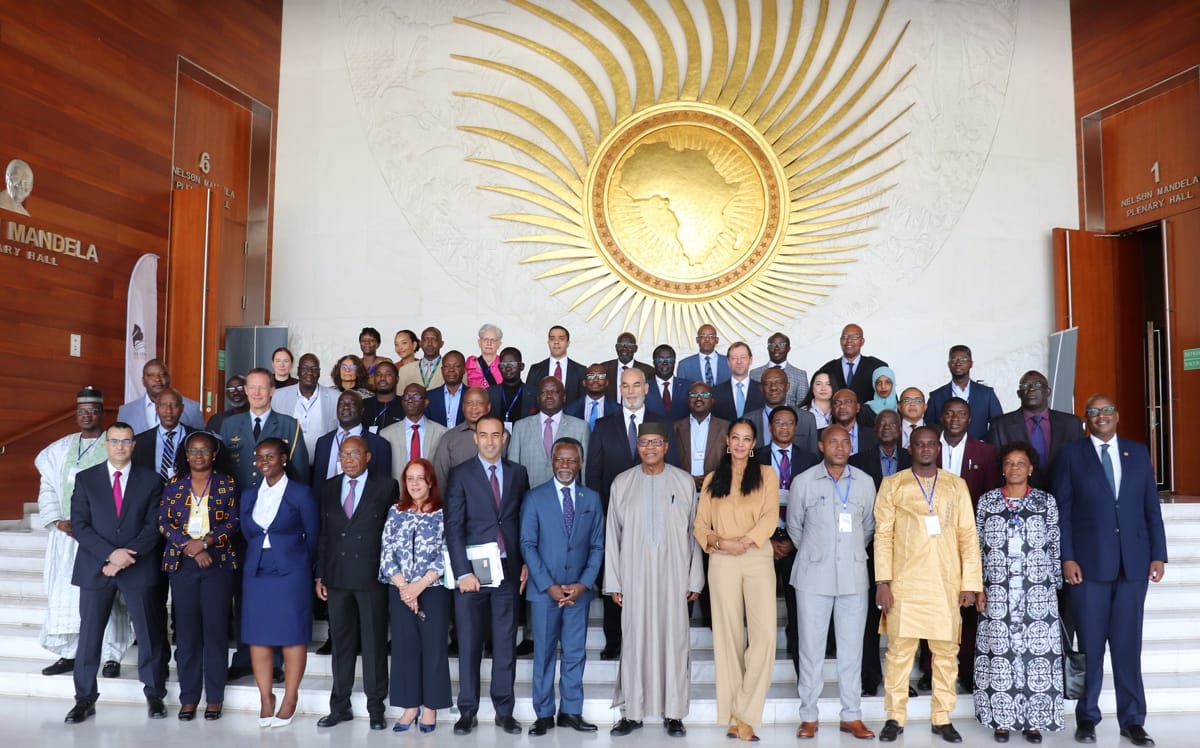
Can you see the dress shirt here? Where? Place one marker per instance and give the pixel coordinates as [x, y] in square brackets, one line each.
[889, 464]
[307, 411]
[151, 411]
[408, 427]
[952, 457]
[1114, 454]
[160, 443]
[263, 418]
[906, 430]
[710, 361]
[487, 474]
[339, 436]
[452, 400]
[1044, 414]
[733, 387]
[638, 417]
[822, 419]
[590, 402]
[555, 422]
[124, 476]
[558, 489]
[846, 368]
[562, 363]
[267, 506]
[964, 392]
[699, 444]
[360, 481]
[669, 383]
[854, 438]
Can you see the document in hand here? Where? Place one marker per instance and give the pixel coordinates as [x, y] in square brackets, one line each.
[485, 565]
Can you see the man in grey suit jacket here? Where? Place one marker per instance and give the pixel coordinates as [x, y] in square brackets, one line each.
[238, 437]
[778, 348]
[415, 425]
[831, 519]
[312, 405]
[775, 388]
[140, 413]
[531, 437]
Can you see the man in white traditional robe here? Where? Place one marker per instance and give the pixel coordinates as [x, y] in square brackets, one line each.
[58, 465]
[652, 569]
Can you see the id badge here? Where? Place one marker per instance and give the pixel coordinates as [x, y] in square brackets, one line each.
[1014, 545]
[698, 457]
[373, 429]
[933, 527]
[195, 524]
[845, 523]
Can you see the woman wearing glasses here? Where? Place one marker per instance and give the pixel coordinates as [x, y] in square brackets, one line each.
[484, 370]
[349, 373]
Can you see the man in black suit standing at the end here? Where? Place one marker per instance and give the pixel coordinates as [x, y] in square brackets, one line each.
[114, 516]
[1046, 430]
[853, 370]
[354, 509]
[565, 370]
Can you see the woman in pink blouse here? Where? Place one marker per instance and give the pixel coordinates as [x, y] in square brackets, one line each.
[484, 370]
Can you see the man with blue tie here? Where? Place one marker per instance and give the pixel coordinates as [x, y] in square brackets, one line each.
[595, 403]
[562, 542]
[160, 447]
[853, 370]
[1112, 542]
[1048, 431]
[741, 394]
[983, 401]
[668, 391]
[707, 366]
[778, 348]
[445, 402]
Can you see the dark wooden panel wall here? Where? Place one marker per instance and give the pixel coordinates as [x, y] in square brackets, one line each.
[88, 90]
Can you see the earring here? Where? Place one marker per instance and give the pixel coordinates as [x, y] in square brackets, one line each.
[751, 452]
[727, 451]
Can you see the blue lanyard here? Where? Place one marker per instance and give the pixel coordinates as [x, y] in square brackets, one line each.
[845, 497]
[932, 489]
[1013, 508]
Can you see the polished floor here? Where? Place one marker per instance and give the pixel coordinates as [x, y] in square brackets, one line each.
[35, 722]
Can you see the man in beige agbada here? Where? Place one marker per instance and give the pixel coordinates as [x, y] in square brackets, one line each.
[927, 565]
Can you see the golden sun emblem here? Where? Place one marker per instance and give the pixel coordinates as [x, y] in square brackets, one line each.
[723, 198]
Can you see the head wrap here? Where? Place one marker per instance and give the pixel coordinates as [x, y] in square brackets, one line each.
[652, 428]
[880, 404]
[90, 394]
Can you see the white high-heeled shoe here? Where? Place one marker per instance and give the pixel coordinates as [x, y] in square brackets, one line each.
[277, 722]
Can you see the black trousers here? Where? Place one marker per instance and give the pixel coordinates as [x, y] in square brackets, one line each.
[872, 668]
[420, 666]
[149, 626]
[203, 599]
[359, 619]
[476, 613]
[783, 586]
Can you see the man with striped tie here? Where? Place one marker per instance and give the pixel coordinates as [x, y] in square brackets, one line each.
[158, 448]
[707, 366]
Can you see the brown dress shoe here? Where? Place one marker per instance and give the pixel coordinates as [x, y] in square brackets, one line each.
[857, 729]
[807, 730]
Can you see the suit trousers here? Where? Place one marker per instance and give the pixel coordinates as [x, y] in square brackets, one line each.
[783, 587]
[743, 589]
[900, 652]
[1111, 613]
[476, 613]
[872, 668]
[149, 626]
[551, 625]
[849, 615]
[420, 665]
[358, 621]
[203, 599]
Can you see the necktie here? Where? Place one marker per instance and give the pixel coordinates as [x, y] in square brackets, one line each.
[620, 396]
[496, 494]
[592, 415]
[414, 446]
[741, 398]
[889, 466]
[167, 468]
[558, 370]
[849, 372]
[1107, 463]
[257, 427]
[785, 470]
[348, 502]
[568, 510]
[708, 375]
[117, 498]
[548, 436]
[667, 396]
[633, 435]
[1038, 439]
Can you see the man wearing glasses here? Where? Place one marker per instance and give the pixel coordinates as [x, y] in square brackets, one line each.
[1047, 430]
[983, 401]
[595, 403]
[707, 366]
[313, 405]
[668, 391]
[853, 370]
[778, 348]
[235, 402]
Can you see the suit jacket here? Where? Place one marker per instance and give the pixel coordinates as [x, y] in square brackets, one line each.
[612, 368]
[608, 452]
[472, 517]
[294, 532]
[799, 458]
[145, 449]
[435, 410]
[679, 398]
[797, 382]
[579, 408]
[284, 401]
[523, 405]
[572, 377]
[718, 429]
[381, 456]
[979, 468]
[224, 521]
[805, 436]
[410, 373]
[862, 384]
[99, 531]
[692, 368]
[525, 446]
[725, 404]
[349, 547]
[984, 407]
[554, 557]
[1109, 538]
[872, 464]
[399, 437]
[866, 438]
[134, 413]
[236, 456]
[1064, 429]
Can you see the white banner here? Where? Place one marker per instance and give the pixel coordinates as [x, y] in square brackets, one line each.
[141, 327]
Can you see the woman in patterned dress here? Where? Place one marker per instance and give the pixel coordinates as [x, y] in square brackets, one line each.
[1018, 655]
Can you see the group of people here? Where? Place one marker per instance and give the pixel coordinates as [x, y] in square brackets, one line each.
[444, 491]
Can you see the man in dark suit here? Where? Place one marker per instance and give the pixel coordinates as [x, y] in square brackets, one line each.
[668, 392]
[847, 413]
[594, 404]
[326, 463]
[775, 388]
[789, 460]
[982, 399]
[1047, 430]
[114, 517]
[160, 449]
[611, 451]
[446, 401]
[483, 506]
[565, 370]
[510, 399]
[562, 542]
[625, 346]
[741, 394]
[853, 370]
[1112, 542]
[887, 458]
[354, 509]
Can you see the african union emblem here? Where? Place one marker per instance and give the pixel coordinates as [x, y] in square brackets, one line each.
[731, 196]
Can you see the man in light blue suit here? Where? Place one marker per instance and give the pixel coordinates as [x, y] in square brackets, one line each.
[983, 401]
[562, 541]
[707, 366]
[140, 413]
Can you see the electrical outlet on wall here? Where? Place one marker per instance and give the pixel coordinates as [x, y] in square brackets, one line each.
[76, 344]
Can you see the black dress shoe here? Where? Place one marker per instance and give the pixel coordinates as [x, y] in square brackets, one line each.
[1085, 731]
[624, 727]
[542, 725]
[1000, 736]
[912, 692]
[1032, 736]
[925, 682]
[525, 648]
[80, 712]
[947, 731]
[1137, 735]
[610, 653]
[59, 666]
[111, 669]
[509, 725]
[155, 708]
[675, 727]
[326, 648]
[237, 672]
[891, 730]
[576, 723]
[332, 720]
[465, 724]
[378, 722]
[870, 691]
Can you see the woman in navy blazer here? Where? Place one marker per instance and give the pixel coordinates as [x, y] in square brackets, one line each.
[281, 525]
[200, 561]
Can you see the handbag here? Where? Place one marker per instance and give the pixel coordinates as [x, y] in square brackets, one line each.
[1074, 666]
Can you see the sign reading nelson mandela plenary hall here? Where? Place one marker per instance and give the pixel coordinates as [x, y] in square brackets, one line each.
[23, 241]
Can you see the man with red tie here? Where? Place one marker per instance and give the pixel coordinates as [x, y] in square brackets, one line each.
[668, 392]
[567, 371]
[415, 436]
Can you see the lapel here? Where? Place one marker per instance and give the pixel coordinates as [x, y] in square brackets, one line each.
[133, 486]
[507, 487]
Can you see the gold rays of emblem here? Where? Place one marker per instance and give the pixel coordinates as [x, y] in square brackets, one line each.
[728, 198]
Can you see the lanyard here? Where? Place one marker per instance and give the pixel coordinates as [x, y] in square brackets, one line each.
[425, 380]
[845, 497]
[383, 412]
[932, 490]
[512, 403]
[80, 453]
[1014, 508]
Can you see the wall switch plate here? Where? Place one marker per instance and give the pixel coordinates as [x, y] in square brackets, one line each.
[76, 344]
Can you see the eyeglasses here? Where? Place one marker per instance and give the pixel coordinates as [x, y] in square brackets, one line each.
[193, 451]
[1033, 386]
[493, 341]
[852, 337]
[912, 400]
[353, 453]
[664, 360]
[595, 377]
[510, 364]
[412, 398]
[348, 367]
[651, 442]
[961, 360]
[120, 442]
[235, 389]
[1107, 410]
[309, 368]
[88, 411]
[776, 346]
[707, 336]
[700, 395]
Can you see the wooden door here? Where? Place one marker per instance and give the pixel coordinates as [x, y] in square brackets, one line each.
[1183, 323]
